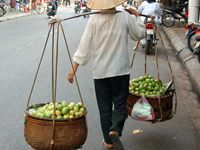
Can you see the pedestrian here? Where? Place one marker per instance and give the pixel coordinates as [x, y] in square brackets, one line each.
[139, 2]
[105, 41]
[182, 2]
[68, 2]
[33, 4]
[130, 2]
[149, 7]
[26, 9]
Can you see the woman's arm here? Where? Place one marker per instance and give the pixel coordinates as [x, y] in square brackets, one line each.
[72, 72]
[136, 27]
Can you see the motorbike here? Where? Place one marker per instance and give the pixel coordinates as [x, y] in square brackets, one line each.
[194, 40]
[77, 6]
[51, 8]
[2, 8]
[174, 14]
[150, 40]
[85, 8]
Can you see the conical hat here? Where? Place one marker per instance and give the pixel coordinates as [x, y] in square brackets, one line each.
[103, 4]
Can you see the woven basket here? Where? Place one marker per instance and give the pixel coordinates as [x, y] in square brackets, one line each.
[69, 134]
[166, 105]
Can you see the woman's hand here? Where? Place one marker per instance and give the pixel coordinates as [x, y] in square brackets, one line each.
[132, 11]
[72, 72]
[71, 76]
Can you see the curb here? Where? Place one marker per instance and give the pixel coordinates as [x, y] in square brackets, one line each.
[187, 59]
[6, 18]
[192, 66]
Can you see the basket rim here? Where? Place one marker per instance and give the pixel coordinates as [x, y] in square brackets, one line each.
[153, 96]
[51, 119]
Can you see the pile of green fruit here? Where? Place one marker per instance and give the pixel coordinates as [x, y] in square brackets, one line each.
[63, 110]
[146, 85]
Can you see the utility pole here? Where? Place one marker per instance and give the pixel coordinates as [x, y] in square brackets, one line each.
[193, 12]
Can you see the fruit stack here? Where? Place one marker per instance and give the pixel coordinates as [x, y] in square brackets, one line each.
[63, 110]
[146, 85]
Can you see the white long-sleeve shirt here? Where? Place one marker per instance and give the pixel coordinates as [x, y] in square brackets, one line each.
[153, 9]
[105, 40]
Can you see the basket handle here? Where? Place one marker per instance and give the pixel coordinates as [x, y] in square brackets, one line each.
[38, 67]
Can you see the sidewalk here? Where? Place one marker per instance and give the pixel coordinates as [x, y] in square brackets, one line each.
[190, 61]
[176, 36]
[14, 14]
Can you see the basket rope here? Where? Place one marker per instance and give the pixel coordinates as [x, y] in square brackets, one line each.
[156, 54]
[53, 89]
[54, 71]
[71, 63]
[145, 63]
[33, 85]
[172, 74]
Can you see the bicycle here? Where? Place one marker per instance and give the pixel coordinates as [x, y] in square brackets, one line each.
[39, 7]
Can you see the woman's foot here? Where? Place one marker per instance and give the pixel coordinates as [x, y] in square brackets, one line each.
[107, 146]
[114, 137]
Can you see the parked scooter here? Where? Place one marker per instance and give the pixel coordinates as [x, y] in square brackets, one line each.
[2, 8]
[174, 14]
[194, 40]
[52, 8]
[77, 6]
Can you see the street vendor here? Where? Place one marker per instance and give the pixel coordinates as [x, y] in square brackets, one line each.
[105, 41]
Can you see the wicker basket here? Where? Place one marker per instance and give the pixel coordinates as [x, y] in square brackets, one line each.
[166, 105]
[69, 134]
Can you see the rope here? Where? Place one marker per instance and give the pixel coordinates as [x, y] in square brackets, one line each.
[156, 54]
[71, 63]
[33, 85]
[56, 60]
[138, 46]
[134, 57]
[172, 74]
[145, 62]
[55, 19]
[53, 91]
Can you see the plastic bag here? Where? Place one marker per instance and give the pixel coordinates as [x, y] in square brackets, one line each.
[142, 110]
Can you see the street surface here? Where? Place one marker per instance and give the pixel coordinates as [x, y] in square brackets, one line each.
[22, 42]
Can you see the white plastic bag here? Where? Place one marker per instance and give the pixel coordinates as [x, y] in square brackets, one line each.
[142, 110]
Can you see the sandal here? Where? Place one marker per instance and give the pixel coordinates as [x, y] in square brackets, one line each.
[117, 144]
[106, 145]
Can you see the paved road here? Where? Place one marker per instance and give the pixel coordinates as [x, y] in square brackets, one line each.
[22, 42]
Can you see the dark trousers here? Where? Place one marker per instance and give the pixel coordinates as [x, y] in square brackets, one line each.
[111, 94]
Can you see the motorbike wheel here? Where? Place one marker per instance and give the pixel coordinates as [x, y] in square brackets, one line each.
[199, 57]
[86, 16]
[1, 12]
[40, 9]
[4, 11]
[148, 47]
[191, 42]
[168, 19]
